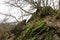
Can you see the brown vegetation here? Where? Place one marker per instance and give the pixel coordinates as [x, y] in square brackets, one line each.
[53, 22]
[4, 31]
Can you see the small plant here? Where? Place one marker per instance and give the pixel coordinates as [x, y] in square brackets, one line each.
[36, 28]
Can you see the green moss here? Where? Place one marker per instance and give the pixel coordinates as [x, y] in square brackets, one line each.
[36, 28]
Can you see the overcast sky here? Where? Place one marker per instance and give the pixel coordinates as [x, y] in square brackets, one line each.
[6, 9]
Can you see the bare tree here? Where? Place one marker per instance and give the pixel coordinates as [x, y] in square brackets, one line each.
[8, 18]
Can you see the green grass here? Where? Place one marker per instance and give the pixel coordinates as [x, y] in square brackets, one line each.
[37, 30]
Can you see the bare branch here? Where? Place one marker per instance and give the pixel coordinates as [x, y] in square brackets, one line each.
[9, 15]
[18, 7]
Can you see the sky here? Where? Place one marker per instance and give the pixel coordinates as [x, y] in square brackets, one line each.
[6, 9]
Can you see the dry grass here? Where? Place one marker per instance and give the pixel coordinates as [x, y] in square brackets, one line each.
[4, 30]
[52, 22]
